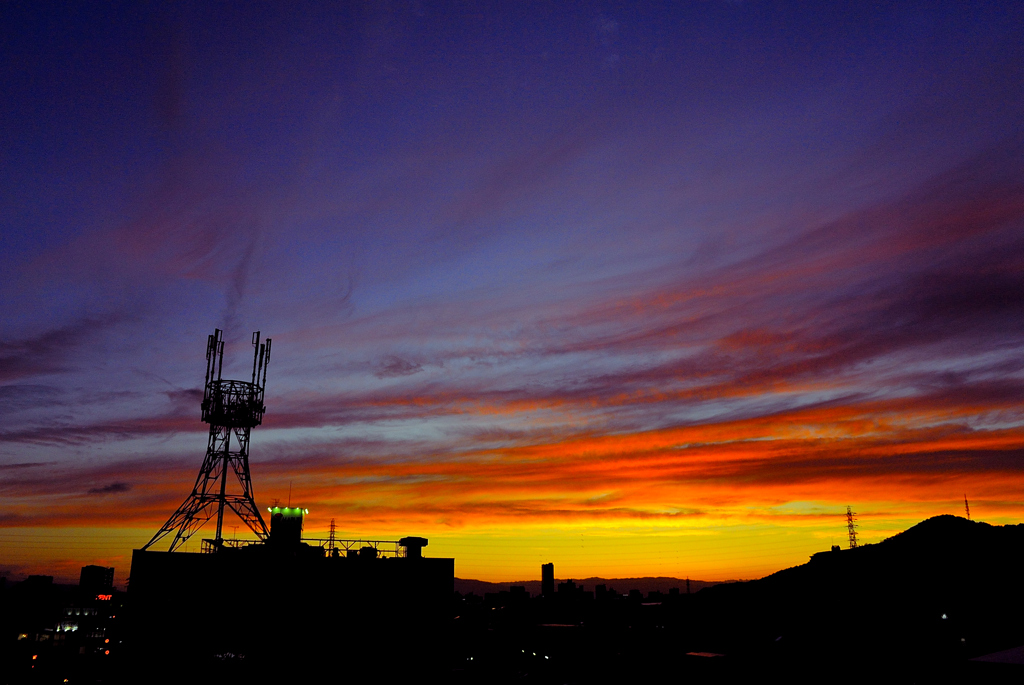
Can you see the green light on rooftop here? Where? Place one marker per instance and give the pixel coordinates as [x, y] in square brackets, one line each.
[288, 511]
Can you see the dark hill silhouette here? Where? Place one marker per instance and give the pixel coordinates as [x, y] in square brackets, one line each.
[621, 585]
[940, 592]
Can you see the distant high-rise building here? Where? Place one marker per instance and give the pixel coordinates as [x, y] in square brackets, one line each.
[547, 580]
[96, 578]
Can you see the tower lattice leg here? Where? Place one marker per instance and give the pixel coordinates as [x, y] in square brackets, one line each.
[210, 494]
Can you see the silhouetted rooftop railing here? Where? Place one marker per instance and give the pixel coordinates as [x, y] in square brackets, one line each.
[382, 548]
[211, 545]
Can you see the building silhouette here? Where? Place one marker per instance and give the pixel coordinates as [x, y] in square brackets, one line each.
[98, 579]
[278, 606]
[547, 579]
[52, 632]
[268, 603]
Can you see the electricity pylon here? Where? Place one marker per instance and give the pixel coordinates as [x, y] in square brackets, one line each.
[851, 527]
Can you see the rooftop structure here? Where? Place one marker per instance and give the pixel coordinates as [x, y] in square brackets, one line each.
[360, 594]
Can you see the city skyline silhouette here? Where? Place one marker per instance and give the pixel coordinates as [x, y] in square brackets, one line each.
[717, 307]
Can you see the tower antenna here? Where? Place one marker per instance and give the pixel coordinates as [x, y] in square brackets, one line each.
[967, 507]
[231, 408]
[851, 527]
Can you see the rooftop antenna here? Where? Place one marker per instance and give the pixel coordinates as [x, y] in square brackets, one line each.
[231, 408]
[967, 507]
[851, 527]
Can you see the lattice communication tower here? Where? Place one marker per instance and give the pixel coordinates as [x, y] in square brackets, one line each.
[851, 527]
[231, 408]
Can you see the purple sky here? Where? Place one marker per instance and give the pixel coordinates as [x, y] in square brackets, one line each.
[479, 229]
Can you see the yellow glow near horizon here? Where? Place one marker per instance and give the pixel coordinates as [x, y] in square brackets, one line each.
[727, 548]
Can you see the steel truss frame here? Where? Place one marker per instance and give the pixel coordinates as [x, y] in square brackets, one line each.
[385, 548]
[230, 407]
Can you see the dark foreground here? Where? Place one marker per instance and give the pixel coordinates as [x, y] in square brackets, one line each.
[919, 607]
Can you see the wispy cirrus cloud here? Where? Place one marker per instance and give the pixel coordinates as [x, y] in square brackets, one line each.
[514, 287]
[50, 351]
[112, 489]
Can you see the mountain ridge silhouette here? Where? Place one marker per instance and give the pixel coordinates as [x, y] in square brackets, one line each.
[944, 590]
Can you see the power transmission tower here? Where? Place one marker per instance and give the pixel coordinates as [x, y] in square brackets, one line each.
[967, 507]
[851, 527]
[330, 540]
[231, 408]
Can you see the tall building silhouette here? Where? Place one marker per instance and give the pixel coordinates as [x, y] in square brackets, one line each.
[547, 579]
[96, 579]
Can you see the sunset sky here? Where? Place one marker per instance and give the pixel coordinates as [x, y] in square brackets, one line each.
[634, 288]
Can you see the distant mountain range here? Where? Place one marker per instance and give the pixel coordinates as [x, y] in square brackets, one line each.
[941, 602]
[620, 585]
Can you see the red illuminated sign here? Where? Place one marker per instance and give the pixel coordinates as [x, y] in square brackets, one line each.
[104, 598]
